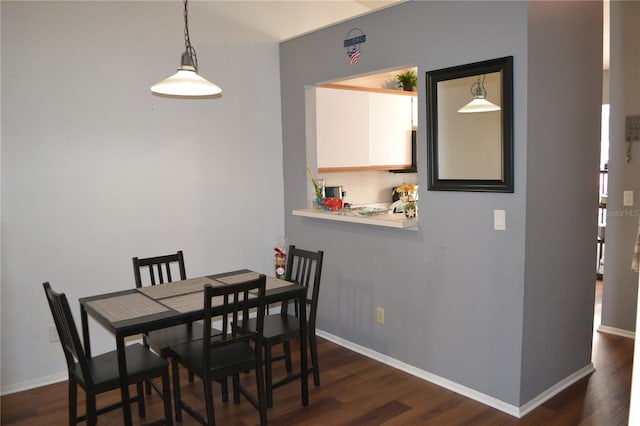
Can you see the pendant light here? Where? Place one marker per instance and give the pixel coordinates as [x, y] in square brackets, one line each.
[186, 83]
[479, 102]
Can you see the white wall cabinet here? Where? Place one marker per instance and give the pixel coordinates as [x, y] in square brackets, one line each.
[363, 130]
[342, 128]
[389, 130]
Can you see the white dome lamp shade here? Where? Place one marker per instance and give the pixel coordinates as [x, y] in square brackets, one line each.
[186, 83]
[479, 103]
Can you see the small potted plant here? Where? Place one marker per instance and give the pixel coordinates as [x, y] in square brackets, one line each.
[407, 80]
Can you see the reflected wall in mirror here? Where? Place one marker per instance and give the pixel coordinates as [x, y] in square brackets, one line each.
[470, 144]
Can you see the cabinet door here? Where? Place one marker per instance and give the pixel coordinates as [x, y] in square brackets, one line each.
[342, 128]
[390, 119]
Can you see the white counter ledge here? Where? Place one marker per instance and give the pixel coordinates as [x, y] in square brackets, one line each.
[396, 220]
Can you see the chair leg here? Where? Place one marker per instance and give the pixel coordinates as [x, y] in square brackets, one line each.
[166, 396]
[176, 390]
[287, 356]
[208, 401]
[224, 385]
[190, 374]
[262, 408]
[147, 384]
[268, 375]
[73, 401]
[313, 346]
[140, 391]
[92, 415]
[235, 379]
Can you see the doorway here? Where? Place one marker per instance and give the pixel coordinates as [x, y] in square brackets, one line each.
[602, 192]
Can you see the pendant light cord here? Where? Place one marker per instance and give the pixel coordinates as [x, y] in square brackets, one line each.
[187, 41]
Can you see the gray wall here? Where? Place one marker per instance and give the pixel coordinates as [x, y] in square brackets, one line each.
[620, 287]
[563, 146]
[96, 170]
[453, 292]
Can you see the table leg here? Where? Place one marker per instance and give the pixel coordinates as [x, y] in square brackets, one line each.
[124, 388]
[85, 331]
[304, 379]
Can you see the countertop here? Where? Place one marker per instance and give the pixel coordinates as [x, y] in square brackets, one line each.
[389, 220]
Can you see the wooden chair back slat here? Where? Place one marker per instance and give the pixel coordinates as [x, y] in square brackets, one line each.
[159, 268]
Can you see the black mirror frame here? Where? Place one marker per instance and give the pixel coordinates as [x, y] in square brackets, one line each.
[503, 65]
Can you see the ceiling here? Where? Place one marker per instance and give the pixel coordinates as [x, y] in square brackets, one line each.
[286, 19]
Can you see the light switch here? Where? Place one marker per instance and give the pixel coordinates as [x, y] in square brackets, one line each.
[632, 128]
[499, 220]
[627, 198]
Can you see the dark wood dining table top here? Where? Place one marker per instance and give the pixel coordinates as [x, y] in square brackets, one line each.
[140, 310]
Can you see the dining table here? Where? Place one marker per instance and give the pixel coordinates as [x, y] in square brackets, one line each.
[140, 310]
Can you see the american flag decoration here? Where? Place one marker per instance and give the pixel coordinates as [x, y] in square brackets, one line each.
[354, 39]
[353, 56]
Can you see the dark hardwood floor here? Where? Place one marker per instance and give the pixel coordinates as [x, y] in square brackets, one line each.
[359, 391]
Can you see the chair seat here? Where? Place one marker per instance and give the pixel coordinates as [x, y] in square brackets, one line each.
[190, 354]
[277, 326]
[141, 364]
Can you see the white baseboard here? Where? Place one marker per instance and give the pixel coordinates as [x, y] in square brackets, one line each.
[617, 331]
[414, 371]
[556, 389]
[458, 388]
[42, 381]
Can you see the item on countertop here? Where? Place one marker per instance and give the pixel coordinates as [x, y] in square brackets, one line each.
[406, 196]
[410, 208]
[405, 191]
[318, 186]
[332, 204]
[334, 191]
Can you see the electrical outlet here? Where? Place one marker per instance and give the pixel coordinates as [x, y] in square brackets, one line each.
[53, 334]
[380, 315]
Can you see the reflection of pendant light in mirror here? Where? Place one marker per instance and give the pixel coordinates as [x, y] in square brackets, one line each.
[186, 83]
[479, 102]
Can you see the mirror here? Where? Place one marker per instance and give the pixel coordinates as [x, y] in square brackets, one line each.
[470, 127]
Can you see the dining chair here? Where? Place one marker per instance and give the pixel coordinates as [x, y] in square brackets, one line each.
[100, 373]
[228, 354]
[162, 269]
[304, 267]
